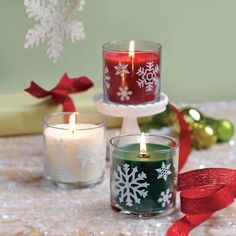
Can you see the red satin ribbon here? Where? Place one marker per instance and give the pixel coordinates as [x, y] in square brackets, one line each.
[60, 93]
[184, 137]
[203, 191]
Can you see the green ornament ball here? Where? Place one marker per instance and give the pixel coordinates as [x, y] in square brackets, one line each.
[225, 130]
[191, 115]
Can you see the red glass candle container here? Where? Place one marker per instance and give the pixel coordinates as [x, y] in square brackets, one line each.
[131, 71]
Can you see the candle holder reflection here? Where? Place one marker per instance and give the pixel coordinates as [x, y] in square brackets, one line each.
[75, 145]
[142, 181]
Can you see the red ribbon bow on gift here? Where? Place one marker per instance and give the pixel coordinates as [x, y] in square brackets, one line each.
[203, 191]
[60, 93]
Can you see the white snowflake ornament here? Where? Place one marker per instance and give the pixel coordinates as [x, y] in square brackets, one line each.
[165, 198]
[121, 69]
[55, 24]
[107, 77]
[148, 75]
[130, 186]
[124, 93]
[85, 155]
[164, 171]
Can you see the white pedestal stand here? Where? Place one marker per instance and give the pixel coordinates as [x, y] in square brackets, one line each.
[130, 113]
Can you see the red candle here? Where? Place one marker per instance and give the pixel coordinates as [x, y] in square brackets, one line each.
[131, 76]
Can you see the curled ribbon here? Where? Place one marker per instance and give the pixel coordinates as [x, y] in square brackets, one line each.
[60, 93]
[203, 191]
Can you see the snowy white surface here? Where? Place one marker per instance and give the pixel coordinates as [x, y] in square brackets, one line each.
[31, 206]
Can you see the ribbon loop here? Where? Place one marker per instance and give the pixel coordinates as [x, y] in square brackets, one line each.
[36, 90]
[205, 200]
[207, 176]
[203, 191]
[60, 93]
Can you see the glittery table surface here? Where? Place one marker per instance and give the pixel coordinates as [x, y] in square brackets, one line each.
[31, 206]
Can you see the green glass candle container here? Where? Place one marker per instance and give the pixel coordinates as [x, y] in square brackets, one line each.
[143, 181]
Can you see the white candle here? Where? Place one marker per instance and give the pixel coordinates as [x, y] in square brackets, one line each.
[76, 153]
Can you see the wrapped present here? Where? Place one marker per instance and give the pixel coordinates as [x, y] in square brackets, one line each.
[21, 113]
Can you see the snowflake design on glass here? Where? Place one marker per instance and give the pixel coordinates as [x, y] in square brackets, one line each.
[124, 93]
[121, 69]
[129, 185]
[86, 155]
[55, 24]
[165, 197]
[164, 171]
[107, 77]
[148, 75]
[58, 147]
[65, 174]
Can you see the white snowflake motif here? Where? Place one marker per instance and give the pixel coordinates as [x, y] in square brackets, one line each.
[85, 155]
[148, 75]
[121, 69]
[165, 197]
[65, 174]
[58, 147]
[164, 171]
[124, 93]
[129, 185]
[55, 24]
[107, 77]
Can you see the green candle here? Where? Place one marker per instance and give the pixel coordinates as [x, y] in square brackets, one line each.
[143, 184]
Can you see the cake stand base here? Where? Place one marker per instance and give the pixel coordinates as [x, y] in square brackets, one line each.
[130, 113]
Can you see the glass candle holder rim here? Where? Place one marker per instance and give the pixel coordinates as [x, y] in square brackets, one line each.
[46, 118]
[146, 134]
[156, 46]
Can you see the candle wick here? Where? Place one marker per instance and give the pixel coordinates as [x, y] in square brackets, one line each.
[144, 155]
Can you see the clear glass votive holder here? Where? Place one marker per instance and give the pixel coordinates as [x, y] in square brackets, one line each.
[131, 71]
[143, 182]
[76, 149]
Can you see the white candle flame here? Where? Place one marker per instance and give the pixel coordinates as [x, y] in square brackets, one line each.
[143, 147]
[131, 48]
[72, 122]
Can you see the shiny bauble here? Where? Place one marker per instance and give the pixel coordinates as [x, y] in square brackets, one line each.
[203, 135]
[191, 114]
[225, 130]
